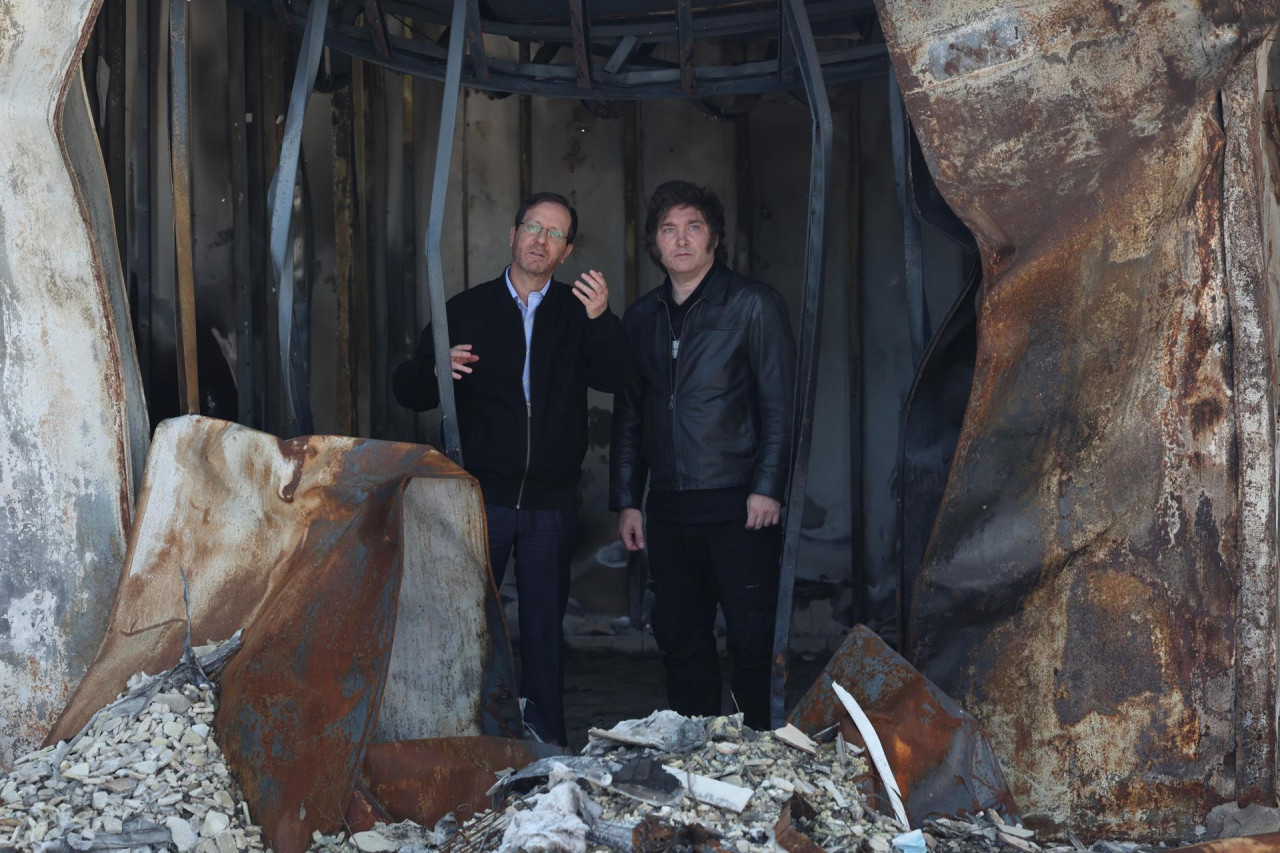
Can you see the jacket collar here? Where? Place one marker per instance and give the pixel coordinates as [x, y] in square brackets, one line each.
[714, 286]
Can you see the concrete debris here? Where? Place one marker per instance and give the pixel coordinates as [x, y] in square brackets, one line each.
[1230, 821]
[144, 774]
[792, 736]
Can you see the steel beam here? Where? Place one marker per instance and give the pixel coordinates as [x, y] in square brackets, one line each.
[280, 200]
[475, 36]
[376, 22]
[241, 271]
[581, 26]
[626, 46]
[912, 251]
[435, 225]
[180, 153]
[684, 31]
[137, 221]
[344, 221]
[425, 59]
[810, 336]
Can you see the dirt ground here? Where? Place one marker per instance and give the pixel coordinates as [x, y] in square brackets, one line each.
[602, 687]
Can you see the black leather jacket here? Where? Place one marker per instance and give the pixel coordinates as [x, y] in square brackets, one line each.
[718, 416]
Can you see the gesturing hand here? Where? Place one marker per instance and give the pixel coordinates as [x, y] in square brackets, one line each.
[593, 292]
[459, 357]
[762, 511]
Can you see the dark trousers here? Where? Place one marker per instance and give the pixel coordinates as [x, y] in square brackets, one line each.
[543, 543]
[694, 567]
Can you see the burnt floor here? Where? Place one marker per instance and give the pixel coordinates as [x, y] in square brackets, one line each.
[602, 687]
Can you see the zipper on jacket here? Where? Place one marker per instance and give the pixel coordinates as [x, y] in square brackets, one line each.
[528, 449]
[671, 372]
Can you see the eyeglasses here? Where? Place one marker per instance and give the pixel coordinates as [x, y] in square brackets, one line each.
[534, 229]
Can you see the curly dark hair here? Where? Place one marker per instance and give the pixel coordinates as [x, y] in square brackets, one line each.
[538, 198]
[684, 194]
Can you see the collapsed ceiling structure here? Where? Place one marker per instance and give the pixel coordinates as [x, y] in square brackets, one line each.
[1099, 589]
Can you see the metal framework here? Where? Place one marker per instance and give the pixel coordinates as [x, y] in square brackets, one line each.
[613, 57]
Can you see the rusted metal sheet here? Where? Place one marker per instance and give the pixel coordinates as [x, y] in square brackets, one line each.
[943, 762]
[423, 780]
[300, 543]
[65, 407]
[787, 830]
[364, 812]
[1101, 532]
[1249, 191]
[1269, 843]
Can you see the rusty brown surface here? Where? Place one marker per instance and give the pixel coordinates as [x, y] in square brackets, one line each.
[942, 761]
[299, 544]
[364, 812]
[652, 835]
[1269, 843]
[787, 831]
[1100, 532]
[423, 780]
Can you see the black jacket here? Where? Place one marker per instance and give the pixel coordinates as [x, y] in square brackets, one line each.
[529, 458]
[720, 415]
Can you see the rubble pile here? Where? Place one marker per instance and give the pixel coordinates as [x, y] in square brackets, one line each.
[673, 783]
[144, 774]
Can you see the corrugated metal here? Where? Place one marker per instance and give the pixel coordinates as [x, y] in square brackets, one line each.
[1095, 591]
[67, 375]
[300, 544]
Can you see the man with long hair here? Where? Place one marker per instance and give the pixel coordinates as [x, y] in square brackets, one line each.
[706, 423]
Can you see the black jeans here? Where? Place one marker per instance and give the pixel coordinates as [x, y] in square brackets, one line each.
[543, 542]
[694, 567]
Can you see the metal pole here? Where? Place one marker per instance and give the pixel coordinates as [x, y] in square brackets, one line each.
[913, 258]
[180, 160]
[280, 201]
[435, 225]
[810, 333]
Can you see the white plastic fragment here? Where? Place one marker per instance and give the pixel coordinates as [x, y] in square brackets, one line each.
[876, 750]
[713, 792]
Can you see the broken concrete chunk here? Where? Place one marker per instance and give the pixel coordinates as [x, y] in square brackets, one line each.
[792, 736]
[1230, 821]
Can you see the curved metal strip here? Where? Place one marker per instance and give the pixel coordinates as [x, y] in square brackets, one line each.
[280, 201]
[435, 227]
[810, 334]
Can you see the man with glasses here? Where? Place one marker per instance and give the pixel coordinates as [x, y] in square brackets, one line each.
[523, 350]
[706, 424]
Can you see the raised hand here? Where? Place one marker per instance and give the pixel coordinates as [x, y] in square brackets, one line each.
[593, 292]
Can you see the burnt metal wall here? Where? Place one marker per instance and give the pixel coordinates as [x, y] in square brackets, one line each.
[361, 221]
[70, 398]
[1099, 589]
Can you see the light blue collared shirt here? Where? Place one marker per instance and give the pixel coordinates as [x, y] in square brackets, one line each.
[526, 313]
